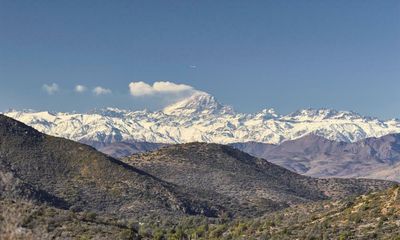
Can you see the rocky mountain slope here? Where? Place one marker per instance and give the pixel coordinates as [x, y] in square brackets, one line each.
[312, 155]
[245, 185]
[197, 178]
[70, 175]
[372, 216]
[53, 188]
[181, 179]
[124, 149]
[24, 220]
[316, 156]
[201, 118]
[12, 187]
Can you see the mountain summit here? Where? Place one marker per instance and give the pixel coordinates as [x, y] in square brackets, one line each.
[199, 103]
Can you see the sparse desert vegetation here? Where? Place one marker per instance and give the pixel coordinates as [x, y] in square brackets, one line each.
[372, 216]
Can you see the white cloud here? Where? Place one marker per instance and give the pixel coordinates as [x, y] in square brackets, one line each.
[101, 91]
[80, 88]
[50, 88]
[143, 89]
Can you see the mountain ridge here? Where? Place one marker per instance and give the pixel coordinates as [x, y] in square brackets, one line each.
[51, 186]
[201, 118]
[186, 179]
[241, 180]
[316, 156]
[84, 179]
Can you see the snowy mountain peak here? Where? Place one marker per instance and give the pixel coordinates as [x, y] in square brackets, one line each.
[199, 103]
[109, 112]
[268, 113]
[323, 113]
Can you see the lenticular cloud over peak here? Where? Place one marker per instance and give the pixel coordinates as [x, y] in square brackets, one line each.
[138, 89]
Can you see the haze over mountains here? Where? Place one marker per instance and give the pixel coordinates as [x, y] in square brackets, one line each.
[316, 156]
[201, 118]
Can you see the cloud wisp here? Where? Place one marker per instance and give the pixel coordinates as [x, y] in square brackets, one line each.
[138, 89]
[80, 88]
[101, 91]
[50, 88]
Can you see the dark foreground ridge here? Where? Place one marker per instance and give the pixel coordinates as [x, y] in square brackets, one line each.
[245, 185]
[56, 188]
[77, 177]
[311, 155]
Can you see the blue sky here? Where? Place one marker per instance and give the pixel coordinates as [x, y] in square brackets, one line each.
[249, 54]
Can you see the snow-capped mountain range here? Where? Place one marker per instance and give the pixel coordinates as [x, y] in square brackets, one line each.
[203, 119]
